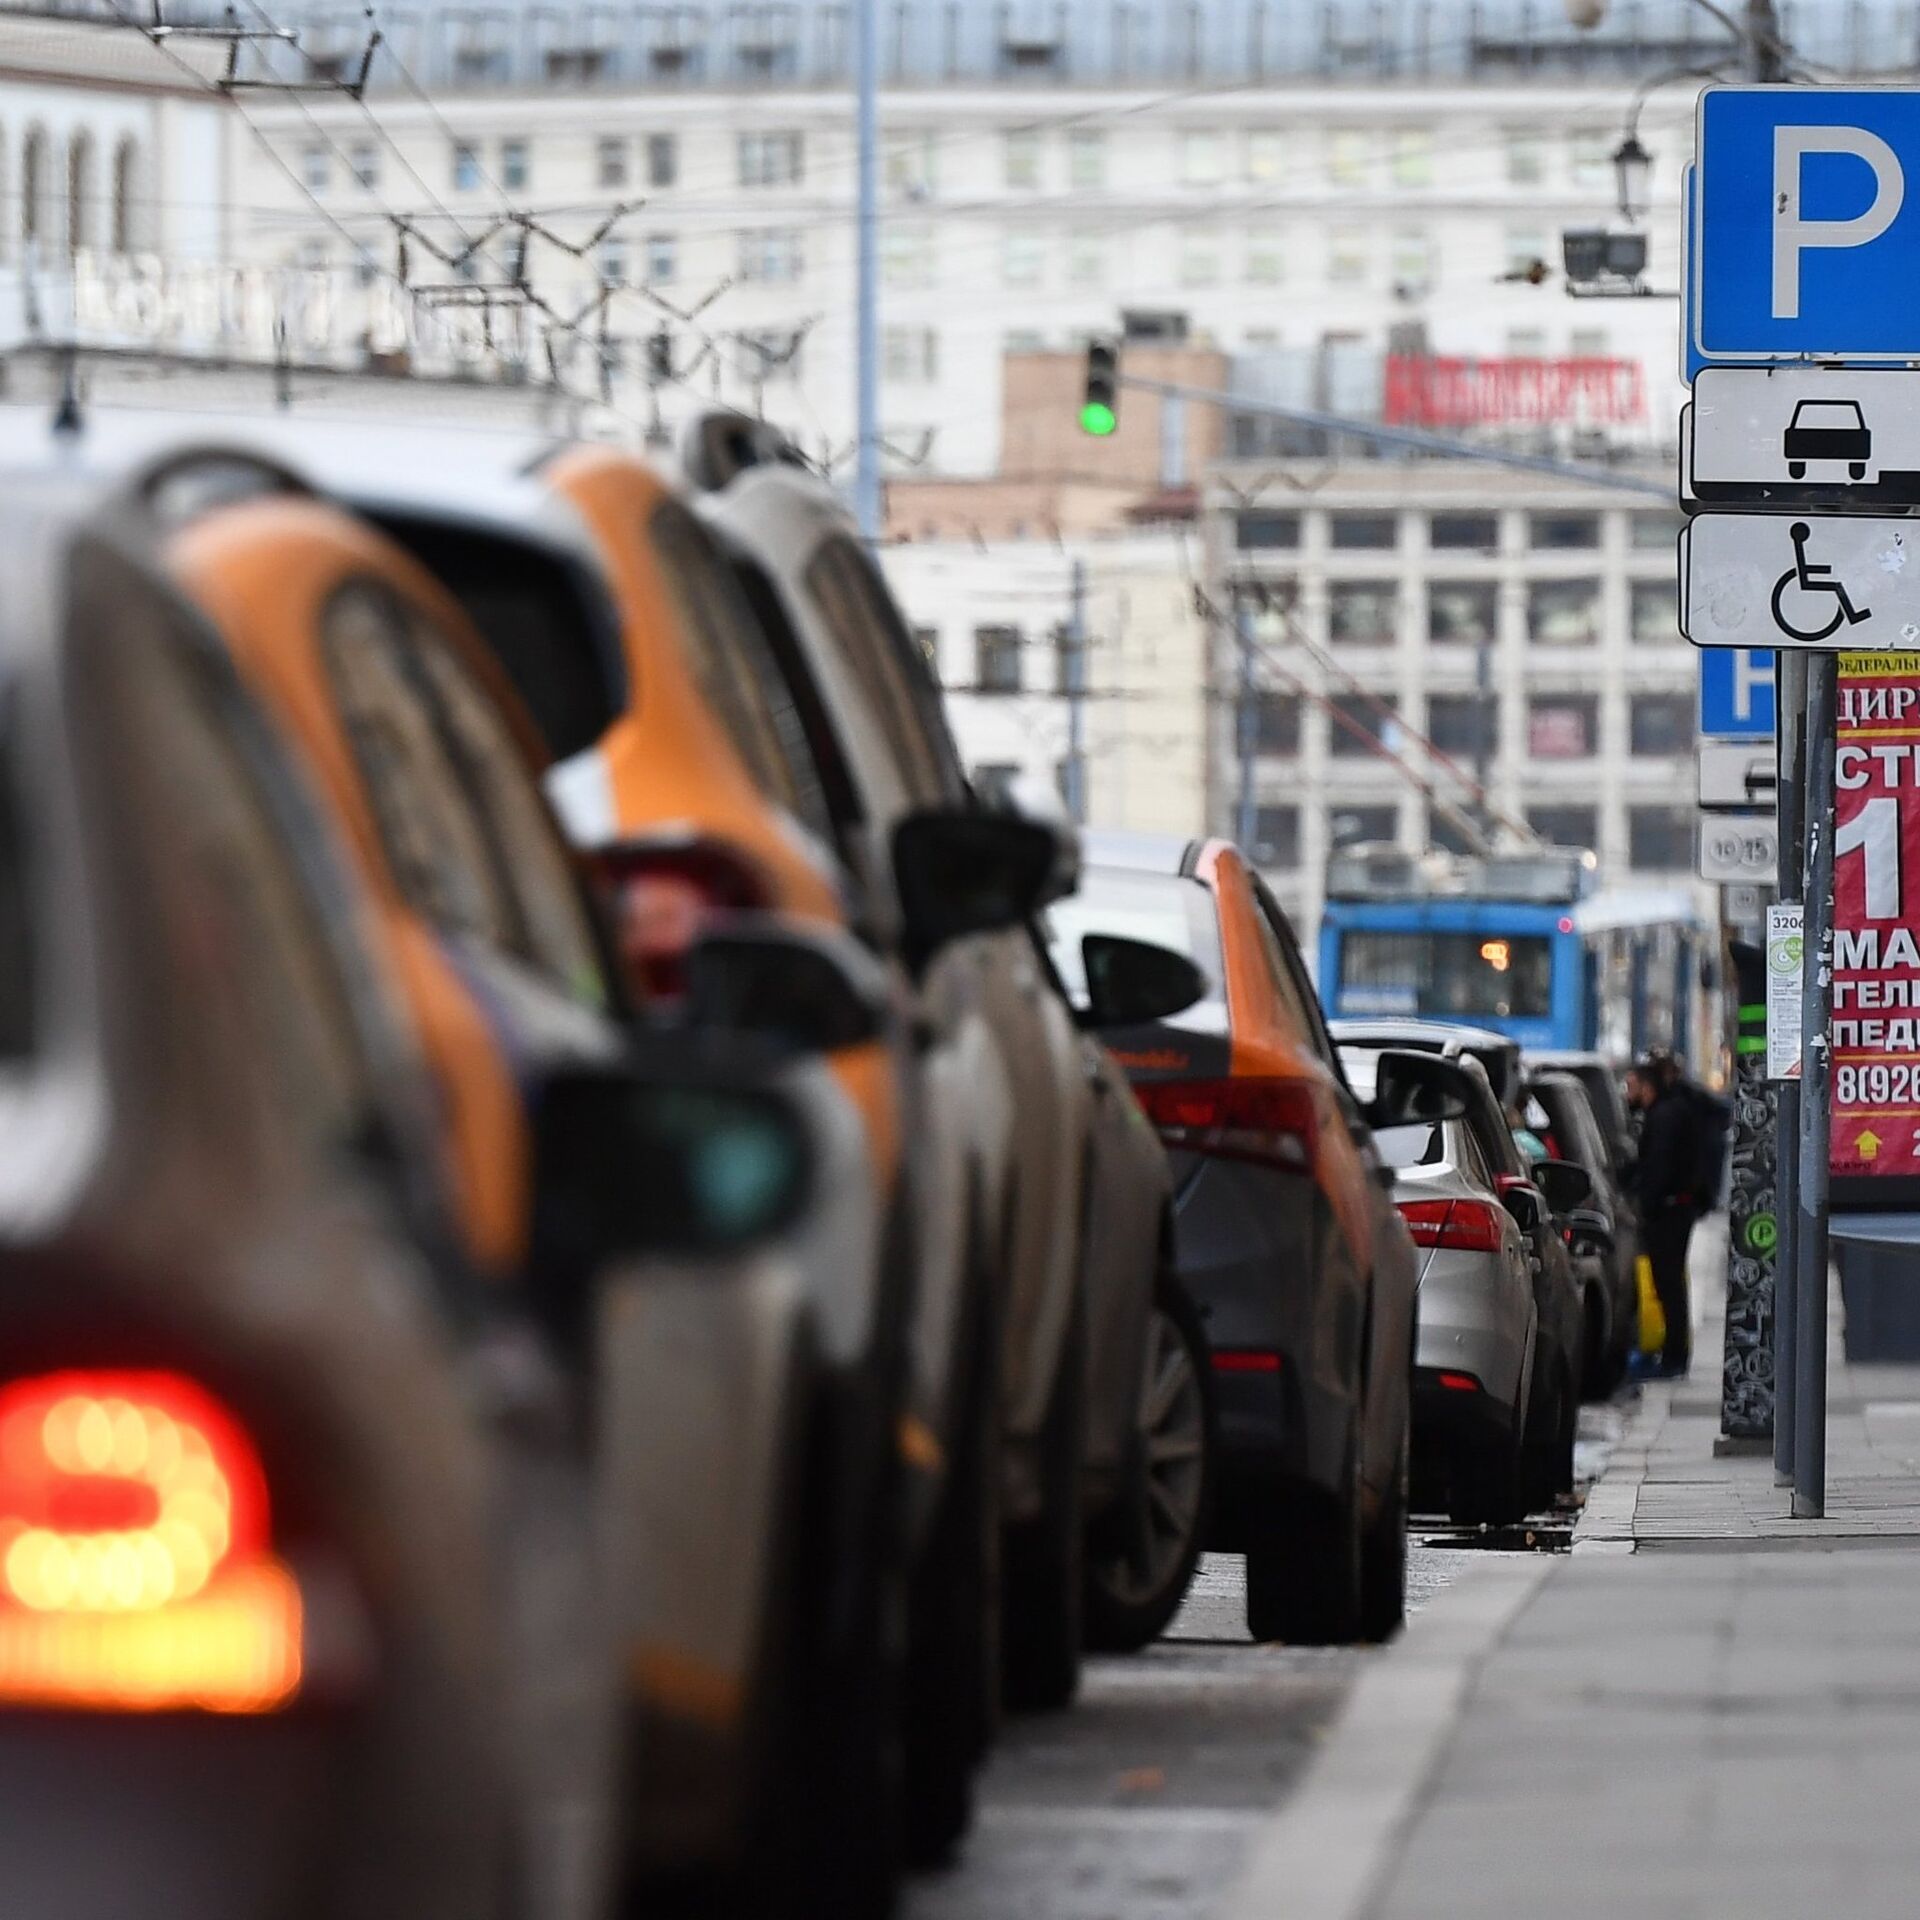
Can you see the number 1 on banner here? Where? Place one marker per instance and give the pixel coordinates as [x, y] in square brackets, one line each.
[1874, 834]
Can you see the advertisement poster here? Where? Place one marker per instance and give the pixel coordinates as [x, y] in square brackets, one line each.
[1876, 950]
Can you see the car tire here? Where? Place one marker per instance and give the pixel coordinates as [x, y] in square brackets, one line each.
[952, 1682]
[1383, 1553]
[1137, 1578]
[1856, 469]
[1043, 1581]
[1489, 1486]
[1597, 1380]
[1549, 1469]
[1304, 1564]
[1796, 469]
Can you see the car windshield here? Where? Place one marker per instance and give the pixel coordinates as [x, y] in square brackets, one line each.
[1460, 976]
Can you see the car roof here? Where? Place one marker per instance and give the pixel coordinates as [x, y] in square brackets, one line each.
[1428, 1033]
[1167, 853]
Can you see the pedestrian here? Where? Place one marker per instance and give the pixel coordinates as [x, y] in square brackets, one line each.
[1678, 1137]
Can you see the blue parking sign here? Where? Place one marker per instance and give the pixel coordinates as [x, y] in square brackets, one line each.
[1736, 693]
[1806, 224]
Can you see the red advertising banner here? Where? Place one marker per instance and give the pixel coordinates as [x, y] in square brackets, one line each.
[1876, 952]
[1424, 391]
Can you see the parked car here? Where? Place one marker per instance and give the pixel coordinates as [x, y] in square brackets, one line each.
[1497, 1053]
[1474, 1357]
[1285, 1236]
[1602, 1081]
[1602, 1236]
[303, 1602]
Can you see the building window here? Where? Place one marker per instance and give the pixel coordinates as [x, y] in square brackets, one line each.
[1589, 343]
[1654, 611]
[1412, 265]
[1266, 157]
[1660, 839]
[1526, 249]
[663, 259]
[612, 262]
[1563, 532]
[1464, 533]
[1566, 826]
[466, 167]
[771, 159]
[1526, 158]
[1526, 343]
[363, 162]
[1654, 532]
[770, 256]
[1355, 723]
[1364, 532]
[1086, 260]
[1254, 529]
[1462, 612]
[1203, 161]
[1347, 156]
[1363, 613]
[81, 196]
[1020, 159]
[316, 168]
[126, 180]
[516, 170]
[1563, 726]
[910, 166]
[1353, 826]
[36, 190]
[996, 659]
[912, 354]
[1276, 723]
[1563, 613]
[1086, 159]
[1348, 258]
[1660, 723]
[1590, 159]
[663, 159]
[1454, 721]
[1266, 259]
[1200, 259]
[610, 163]
[1276, 837]
[906, 256]
[1023, 259]
[1412, 157]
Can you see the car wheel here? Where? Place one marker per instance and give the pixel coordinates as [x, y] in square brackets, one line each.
[1489, 1485]
[1857, 469]
[953, 1642]
[1383, 1554]
[1549, 1468]
[1044, 1575]
[1303, 1564]
[1136, 1582]
[1796, 469]
[1596, 1381]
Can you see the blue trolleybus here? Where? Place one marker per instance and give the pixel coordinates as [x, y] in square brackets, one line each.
[1526, 943]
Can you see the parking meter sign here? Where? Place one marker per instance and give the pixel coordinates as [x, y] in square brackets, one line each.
[1827, 584]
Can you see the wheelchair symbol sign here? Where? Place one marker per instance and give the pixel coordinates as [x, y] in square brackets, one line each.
[1805, 583]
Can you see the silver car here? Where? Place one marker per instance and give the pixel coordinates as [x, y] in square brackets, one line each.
[1473, 1360]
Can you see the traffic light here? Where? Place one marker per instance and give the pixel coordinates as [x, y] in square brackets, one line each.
[1100, 410]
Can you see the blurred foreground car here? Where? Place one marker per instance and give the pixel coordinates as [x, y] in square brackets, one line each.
[1474, 1358]
[1284, 1235]
[309, 1593]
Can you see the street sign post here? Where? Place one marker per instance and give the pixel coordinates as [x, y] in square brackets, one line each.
[1807, 235]
[1828, 584]
[1735, 776]
[1738, 849]
[1736, 693]
[1787, 437]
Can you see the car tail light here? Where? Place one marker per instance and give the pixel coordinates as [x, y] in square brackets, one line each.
[1468, 1226]
[136, 1562]
[663, 898]
[1270, 1121]
[1245, 1360]
[1459, 1383]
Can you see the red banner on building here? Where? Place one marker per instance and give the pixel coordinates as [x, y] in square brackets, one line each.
[1876, 971]
[1589, 391]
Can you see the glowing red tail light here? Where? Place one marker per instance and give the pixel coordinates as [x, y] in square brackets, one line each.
[1270, 1121]
[136, 1571]
[1468, 1226]
[664, 896]
[1459, 1383]
[1245, 1360]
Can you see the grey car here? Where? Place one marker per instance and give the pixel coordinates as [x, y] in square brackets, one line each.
[1473, 1360]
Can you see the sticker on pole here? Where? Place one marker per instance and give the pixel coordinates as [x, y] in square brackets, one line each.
[1786, 940]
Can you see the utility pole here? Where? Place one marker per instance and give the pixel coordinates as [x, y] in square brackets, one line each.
[866, 484]
[1483, 736]
[1245, 718]
[1074, 660]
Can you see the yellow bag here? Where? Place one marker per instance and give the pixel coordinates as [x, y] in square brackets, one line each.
[1653, 1320]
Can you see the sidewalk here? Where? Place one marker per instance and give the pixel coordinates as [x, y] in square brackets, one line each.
[1707, 1710]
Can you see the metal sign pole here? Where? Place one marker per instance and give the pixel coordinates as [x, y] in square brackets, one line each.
[1789, 708]
[1816, 1121]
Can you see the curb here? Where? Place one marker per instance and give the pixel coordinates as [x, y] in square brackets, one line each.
[1325, 1854]
[1606, 1521]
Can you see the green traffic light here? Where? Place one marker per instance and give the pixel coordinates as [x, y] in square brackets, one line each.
[1097, 418]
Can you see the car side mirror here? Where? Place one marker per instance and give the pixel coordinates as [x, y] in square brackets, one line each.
[1589, 1223]
[1131, 983]
[802, 989]
[968, 872]
[1415, 1089]
[1564, 1185]
[1522, 1200]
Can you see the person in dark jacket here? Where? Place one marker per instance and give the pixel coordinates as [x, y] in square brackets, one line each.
[1667, 1185]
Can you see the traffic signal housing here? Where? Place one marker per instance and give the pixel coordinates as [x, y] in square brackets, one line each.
[1100, 410]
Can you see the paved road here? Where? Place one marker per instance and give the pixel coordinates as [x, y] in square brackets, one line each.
[1139, 1804]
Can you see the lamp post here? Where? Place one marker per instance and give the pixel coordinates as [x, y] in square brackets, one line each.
[1633, 177]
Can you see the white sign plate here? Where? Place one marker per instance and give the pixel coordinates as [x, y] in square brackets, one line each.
[1733, 774]
[1804, 437]
[1786, 927]
[1830, 585]
[1735, 849]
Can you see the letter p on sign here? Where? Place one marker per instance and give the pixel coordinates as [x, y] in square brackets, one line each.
[1793, 235]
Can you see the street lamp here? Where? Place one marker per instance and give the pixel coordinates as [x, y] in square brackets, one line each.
[1633, 177]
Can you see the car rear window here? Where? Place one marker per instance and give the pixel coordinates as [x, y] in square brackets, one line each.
[543, 620]
[16, 944]
[1400, 1147]
[1165, 910]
